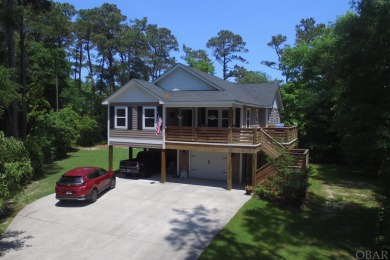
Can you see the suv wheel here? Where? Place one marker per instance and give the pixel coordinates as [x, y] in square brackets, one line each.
[94, 196]
[112, 183]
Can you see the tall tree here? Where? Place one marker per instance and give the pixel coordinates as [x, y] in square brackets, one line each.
[9, 22]
[225, 47]
[363, 58]
[278, 43]
[161, 42]
[108, 24]
[308, 30]
[133, 49]
[244, 76]
[198, 59]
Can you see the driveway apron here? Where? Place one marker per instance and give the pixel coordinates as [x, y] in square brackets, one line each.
[139, 219]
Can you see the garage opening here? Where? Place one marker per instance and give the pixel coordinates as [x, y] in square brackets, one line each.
[208, 165]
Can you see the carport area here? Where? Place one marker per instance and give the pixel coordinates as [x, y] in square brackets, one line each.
[139, 219]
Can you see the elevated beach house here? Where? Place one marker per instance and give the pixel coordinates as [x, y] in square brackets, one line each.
[202, 125]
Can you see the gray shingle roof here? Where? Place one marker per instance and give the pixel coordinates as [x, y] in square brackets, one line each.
[260, 95]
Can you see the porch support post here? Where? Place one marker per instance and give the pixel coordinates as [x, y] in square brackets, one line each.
[163, 167]
[230, 117]
[110, 157]
[229, 171]
[230, 124]
[254, 168]
[130, 152]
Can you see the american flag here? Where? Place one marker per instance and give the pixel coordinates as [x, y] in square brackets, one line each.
[158, 125]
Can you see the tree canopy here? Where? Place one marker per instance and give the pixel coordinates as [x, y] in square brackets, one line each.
[226, 47]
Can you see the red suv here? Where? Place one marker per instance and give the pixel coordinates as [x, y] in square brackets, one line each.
[84, 183]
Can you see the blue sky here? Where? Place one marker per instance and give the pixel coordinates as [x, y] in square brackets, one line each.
[194, 22]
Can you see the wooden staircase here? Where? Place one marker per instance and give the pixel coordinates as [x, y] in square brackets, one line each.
[273, 149]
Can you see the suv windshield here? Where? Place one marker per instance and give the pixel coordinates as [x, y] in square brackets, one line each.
[71, 179]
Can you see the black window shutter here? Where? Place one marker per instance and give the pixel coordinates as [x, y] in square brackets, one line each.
[112, 117]
[139, 118]
[238, 117]
[202, 116]
[129, 118]
[159, 112]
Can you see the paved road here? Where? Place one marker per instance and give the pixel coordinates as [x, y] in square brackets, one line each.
[139, 219]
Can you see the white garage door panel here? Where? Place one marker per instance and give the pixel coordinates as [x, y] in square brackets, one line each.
[208, 165]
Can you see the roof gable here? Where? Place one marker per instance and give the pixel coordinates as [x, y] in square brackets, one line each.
[132, 91]
[183, 79]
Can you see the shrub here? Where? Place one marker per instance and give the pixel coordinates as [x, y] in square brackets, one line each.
[15, 167]
[33, 146]
[60, 128]
[287, 184]
[88, 128]
[382, 238]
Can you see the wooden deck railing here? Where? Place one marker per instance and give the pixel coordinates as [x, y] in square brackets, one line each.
[213, 135]
[283, 134]
[302, 162]
[263, 173]
[302, 157]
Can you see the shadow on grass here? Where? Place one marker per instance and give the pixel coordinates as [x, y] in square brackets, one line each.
[322, 228]
[12, 241]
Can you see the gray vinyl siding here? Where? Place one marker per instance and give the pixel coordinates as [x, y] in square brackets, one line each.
[183, 80]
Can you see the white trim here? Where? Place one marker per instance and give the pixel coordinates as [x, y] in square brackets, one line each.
[266, 117]
[154, 119]
[108, 122]
[115, 118]
[139, 141]
[164, 117]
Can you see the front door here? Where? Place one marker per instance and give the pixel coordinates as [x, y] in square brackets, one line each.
[212, 117]
[187, 117]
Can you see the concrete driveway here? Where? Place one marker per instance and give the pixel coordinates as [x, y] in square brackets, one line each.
[139, 219]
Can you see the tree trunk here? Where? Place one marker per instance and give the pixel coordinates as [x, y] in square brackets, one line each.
[91, 73]
[23, 75]
[80, 62]
[13, 108]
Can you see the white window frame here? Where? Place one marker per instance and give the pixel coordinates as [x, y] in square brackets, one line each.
[143, 118]
[116, 117]
[248, 118]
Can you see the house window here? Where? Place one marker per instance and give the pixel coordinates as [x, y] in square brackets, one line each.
[148, 117]
[121, 117]
[248, 117]
[225, 118]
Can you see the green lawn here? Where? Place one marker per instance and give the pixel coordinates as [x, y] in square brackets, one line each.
[337, 219]
[96, 156]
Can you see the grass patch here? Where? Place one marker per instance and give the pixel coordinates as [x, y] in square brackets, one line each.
[94, 156]
[336, 220]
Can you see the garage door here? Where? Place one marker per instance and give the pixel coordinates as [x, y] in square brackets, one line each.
[208, 165]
